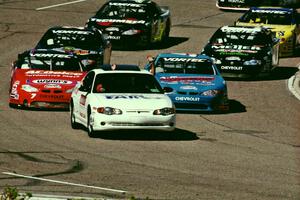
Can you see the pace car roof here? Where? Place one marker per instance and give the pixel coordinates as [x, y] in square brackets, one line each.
[103, 71]
[121, 67]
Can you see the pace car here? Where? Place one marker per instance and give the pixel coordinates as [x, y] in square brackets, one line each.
[246, 4]
[44, 79]
[243, 51]
[88, 44]
[283, 21]
[132, 22]
[192, 81]
[121, 97]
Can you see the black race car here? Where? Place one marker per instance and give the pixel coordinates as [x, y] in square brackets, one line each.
[246, 4]
[243, 51]
[88, 44]
[132, 22]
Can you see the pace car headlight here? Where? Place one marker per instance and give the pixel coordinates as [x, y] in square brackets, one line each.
[131, 32]
[252, 62]
[164, 111]
[211, 92]
[109, 111]
[29, 88]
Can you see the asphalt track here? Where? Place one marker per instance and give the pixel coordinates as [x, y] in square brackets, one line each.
[252, 152]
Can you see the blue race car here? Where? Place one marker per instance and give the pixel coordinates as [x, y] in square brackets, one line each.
[192, 81]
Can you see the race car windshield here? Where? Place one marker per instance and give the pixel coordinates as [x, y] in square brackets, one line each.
[88, 41]
[185, 67]
[240, 38]
[126, 83]
[51, 64]
[268, 18]
[127, 11]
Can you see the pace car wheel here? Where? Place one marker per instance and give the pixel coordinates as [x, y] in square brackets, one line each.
[90, 128]
[74, 124]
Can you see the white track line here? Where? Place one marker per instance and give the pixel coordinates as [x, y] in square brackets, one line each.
[61, 4]
[65, 183]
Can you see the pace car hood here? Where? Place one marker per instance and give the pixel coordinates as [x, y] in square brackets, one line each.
[190, 82]
[134, 101]
[49, 79]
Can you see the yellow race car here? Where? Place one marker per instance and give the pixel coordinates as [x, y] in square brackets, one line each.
[283, 21]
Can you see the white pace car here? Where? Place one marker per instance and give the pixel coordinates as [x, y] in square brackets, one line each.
[121, 97]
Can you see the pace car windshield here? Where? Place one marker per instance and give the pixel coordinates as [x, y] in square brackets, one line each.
[126, 83]
[73, 39]
[52, 64]
[185, 66]
[239, 38]
[278, 17]
[125, 10]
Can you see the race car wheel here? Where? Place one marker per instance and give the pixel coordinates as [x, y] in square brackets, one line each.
[166, 33]
[74, 124]
[90, 128]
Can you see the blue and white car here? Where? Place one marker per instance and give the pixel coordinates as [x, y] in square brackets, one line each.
[121, 97]
[192, 81]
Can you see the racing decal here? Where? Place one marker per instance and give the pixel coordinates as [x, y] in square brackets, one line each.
[236, 1]
[187, 98]
[112, 29]
[188, 79]
[280, 12]
[125, 4]
[239, 30]
[43, 73]
[33, 95]
[185, 60]
[188, 87]
[125, 21]
[130, 97]
[112, 37]
[14, 90]
[236, 47]
[237, 68]
[47, 81]
[56, 86]
[48, 55]
[72, 32]
[82, 100]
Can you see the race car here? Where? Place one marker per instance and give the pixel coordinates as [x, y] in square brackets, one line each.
[44, 79]
[121, 97]
[88, 44]
[243, 51]
[246, 4]
[132, 22]
[283, 21]
[192, 81]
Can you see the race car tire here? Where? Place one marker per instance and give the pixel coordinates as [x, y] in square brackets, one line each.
[74, 124]
[166, 33]
[90, 128]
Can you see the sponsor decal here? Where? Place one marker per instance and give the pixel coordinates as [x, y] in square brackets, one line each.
[188, 79]
[188, 87]
[239, 30]
[130, 97]
[125, 4]
[52, 86]
[280, 12]
[185, 60]
[112, 37]
[237, 68]
[48, 55]
[82, 100]
[35, 72]
[187, 98]
[52, 81]
[72, 32]
[236, 47]
[112, 29]
[236, 1]
[14, 90]
[234, 53]
[125, 21]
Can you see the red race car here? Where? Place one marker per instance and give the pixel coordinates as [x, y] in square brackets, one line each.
[44, 79]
